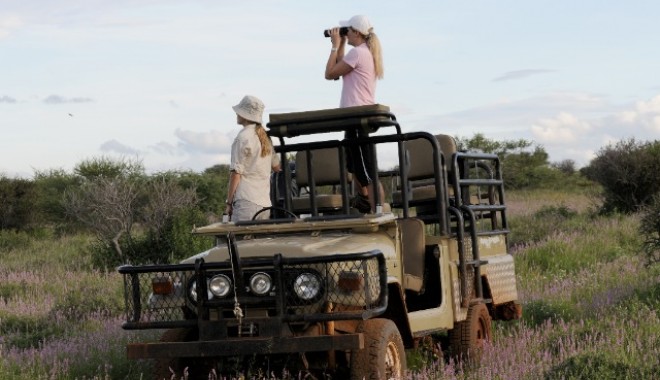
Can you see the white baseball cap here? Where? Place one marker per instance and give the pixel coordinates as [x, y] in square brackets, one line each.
[250, 108]
[360, 23]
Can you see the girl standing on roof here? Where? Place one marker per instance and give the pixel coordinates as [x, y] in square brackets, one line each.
[252, 159]
[359, 69]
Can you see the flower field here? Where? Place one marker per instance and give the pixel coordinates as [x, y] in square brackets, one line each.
[591, 307]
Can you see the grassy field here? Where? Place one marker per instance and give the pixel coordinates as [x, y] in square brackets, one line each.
[591, 306]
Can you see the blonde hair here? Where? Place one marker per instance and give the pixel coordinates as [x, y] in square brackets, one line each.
[374, 47]
[264, 140]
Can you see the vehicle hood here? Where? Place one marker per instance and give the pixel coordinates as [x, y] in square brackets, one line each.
[307, 244]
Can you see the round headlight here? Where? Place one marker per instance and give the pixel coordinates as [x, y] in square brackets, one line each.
[220, 285]
[307, 286]
[193, 291]
[260, 283]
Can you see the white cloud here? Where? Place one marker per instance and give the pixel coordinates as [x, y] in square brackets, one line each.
[521, 74]
[8, 23]
[115, 146]
[563, 128]
[58, 99]
[211, 142]
[165, 148]
[645, 114]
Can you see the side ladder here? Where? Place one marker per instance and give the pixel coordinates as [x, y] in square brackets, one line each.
[478, 209]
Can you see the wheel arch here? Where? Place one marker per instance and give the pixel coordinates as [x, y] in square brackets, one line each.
[397, 312]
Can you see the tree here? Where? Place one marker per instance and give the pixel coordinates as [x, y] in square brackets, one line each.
[115, 202]
[50, 187]
[106, 167]
[629, 172]
[107, 206]
[524, 164]
[17, 199]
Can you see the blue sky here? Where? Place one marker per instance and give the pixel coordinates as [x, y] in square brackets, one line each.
[156, 79]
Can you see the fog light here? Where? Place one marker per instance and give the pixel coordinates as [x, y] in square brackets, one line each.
[220, 285]
[260, 283]
[307, 286]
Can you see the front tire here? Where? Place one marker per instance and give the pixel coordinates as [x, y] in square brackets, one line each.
[383, 356]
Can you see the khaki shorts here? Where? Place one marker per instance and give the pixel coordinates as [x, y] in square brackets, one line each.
[243, 209]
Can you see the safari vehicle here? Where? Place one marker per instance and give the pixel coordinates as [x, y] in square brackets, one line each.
[320, 286]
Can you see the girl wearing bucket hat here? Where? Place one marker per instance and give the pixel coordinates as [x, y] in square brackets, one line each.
[359, 69]
[252, 159]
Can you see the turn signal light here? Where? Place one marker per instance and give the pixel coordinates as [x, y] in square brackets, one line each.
[350, 281]
[162, 286]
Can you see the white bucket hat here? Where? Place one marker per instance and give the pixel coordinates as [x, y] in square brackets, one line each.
[360, 23]
[250, 108]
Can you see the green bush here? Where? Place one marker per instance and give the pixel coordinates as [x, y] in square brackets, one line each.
[17, 199]
[593, 365]
[629, 172]
[89, 299]
[170, 244]
[650, 229]
[28, 331]
[10, 240]
[546, 222]
[538, 312]
[50, 187]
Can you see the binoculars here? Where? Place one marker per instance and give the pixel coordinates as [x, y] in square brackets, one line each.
[342, 31]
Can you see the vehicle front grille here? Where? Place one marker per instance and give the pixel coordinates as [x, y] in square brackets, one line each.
[303, 289]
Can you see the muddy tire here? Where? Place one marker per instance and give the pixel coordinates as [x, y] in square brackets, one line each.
[383, 356]
[468, 337]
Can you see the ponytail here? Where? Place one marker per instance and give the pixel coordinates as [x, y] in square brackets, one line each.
[264, 139]
[374, 47]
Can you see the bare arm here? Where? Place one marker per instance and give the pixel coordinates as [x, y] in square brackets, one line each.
[234, 180]
[336, 67]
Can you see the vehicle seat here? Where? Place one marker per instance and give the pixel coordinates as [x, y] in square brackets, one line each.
[421, 172]
[327, 171]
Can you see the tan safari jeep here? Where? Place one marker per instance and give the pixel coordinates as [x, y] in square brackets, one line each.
[322, 287]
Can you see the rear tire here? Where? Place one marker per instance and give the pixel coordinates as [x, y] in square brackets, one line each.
[383, 356]
[468, 337]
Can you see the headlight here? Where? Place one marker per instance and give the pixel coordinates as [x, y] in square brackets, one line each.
[193, 291]
[307, 286]
[260, 283]
[220, 285]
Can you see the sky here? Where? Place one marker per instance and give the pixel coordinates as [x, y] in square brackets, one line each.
[154, 80]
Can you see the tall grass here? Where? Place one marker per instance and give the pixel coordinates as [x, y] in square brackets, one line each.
[591, 308]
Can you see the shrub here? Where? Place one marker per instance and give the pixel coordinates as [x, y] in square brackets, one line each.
[10, 240]
[106, 167]
[546, 222]
[594, 365]
[629, 172]
[50, 187]
[89, 299]
[17, 199]
[650, 229]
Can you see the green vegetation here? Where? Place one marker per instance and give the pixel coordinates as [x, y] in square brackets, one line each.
[588, 280]
[629, 172]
